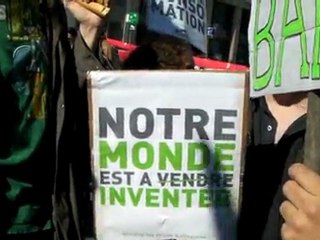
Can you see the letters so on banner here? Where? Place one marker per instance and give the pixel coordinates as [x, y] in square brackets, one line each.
[186, 19]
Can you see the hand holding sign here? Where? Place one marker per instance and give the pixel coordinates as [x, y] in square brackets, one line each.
[301, 211]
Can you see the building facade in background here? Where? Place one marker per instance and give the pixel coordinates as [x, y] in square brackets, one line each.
[227, 27]
[228, 23]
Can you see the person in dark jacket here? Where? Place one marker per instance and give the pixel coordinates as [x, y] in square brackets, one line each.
[75, 201]
[280, 195]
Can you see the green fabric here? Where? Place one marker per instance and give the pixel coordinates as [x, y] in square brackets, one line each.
[25, 181]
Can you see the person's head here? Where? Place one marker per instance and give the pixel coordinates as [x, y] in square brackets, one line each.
[163, 53]
[173, 53]
[142, 58]
[72, 34]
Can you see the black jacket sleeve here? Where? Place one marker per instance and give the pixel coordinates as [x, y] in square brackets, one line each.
[86, 60]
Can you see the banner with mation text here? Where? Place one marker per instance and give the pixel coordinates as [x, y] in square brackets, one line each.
[186, 19]
[284, 41]
[166, 150]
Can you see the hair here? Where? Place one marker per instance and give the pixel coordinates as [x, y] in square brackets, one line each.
[143, 57]
[106, 48]
[165, 52]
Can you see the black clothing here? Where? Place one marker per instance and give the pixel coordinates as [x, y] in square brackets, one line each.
[265, 172]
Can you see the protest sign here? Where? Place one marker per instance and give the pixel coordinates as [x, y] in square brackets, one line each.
[186, 19]
[284, 46]
[166, 150]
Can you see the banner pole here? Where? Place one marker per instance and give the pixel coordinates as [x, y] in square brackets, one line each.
[312, 137]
